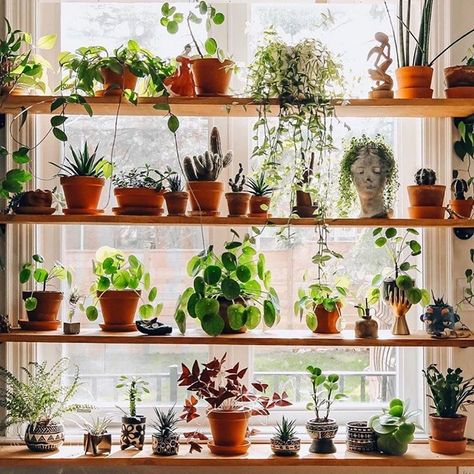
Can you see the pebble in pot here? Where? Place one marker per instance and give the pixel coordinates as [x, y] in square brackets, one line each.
[285, 443]
[165, 440]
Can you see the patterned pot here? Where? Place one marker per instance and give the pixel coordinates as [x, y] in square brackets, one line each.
[133, 432]
[322, 433]
[165, 445]
[97, 444]
[285, 448]
[360, 437]
[44, 436]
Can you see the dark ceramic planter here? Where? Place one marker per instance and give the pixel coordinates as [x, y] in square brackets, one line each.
[71, 328]
[322, 433]
[97, 444]
[133, 432]
[165, 445]
[41, 437]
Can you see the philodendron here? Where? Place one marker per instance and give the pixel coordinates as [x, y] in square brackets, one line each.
[231, 291]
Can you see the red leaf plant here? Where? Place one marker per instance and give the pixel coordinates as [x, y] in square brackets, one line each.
[223, 389]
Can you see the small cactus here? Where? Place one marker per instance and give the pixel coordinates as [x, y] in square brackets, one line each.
[216, 147]
[175, 184]
[425, 177]
[459, 187]
[237, 184]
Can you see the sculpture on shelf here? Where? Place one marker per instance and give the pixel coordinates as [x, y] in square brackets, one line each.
[383, 88]
[398, 300]
[181, 83]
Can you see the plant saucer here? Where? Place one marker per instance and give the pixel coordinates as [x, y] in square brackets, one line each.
[118, 327]
[36, 210]
[39, 325]
[138, 211]
[229, 450]
[82, 212]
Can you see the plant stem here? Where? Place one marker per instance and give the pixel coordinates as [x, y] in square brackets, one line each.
[407, 45]
[188, 21]
[401, 32]
[393, 33]
[450, 46]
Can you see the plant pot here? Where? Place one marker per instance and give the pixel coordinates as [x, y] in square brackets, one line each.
[459, 76]
[256, 203]
[229, 427]
[327, 320]
[119, 309]
[176, 203]
[414, 82]
[322, 433]
[304, 205]
[360, 437]
[71, 328]
[448, 447]
[139, 201]
[224, 304]
[426, 212]
[133, 432]
[205, 197]
[366, 328]
[41, 437]
[426, 195]
[285, 448]
[97, 444]
[82, 192]
[462, 207]
[238, 204]
[448, 429]
[35, 202]
[211, 76]
[47, 308]
[438, 319]
[115, 84]
[165, 445]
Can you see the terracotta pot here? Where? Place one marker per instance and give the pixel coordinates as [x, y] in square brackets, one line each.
[176, 203]
[142, 199]
[119, 307]
[229, 427]
[238, 204]
[211, 77]
[462, 207]
[426, 195]
[459, 76]
[47, 308]
[82, 192]
[205, 197]
[256, 203]
[414, 82]
[224, 303]
[115, 84]
[327, 321]
[36, 198]
[426, 212]
[448, 429]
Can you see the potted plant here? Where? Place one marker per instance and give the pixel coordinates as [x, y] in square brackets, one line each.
[211, 68]
[366, 327]
[237, 200]
[231, 403]
[261, 195]
[439, 318]
[165, 439]
[82, 179]
[42, 306]
[140, 191]
[202, 172]
[325, 391]
[460, 79]
[118, 288]
[70, 326]
[305, 205]
[285, 442]
[37, 202]
[393, 429]
[40, 400]
[360, 437]
[176, 197]
[96, 439]
[133, 425]
[449, 394]
[230, 291]
[426, 197]
[461, 207]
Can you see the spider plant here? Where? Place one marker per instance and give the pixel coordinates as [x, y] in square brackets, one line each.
[258, 186]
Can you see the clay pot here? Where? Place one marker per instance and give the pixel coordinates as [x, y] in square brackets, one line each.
[447, 434]
[133, 432]
[414, 82]
[285, 448]
[47, 308]
[43, 437]
[462, 207]
[119, 308]
[327, 321]
[366, 328]
[176, 203]
[36, 198]
[82, 192]
[256, 203]
[229, 427]
[459, 76]
[238, 204]
[426, 195]
[211, 76]
[304, 204]
[426, 212]
[322, 433]
[205, 197]
[142, 201]
[115, 84]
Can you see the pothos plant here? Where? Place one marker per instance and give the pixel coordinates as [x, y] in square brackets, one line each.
[468, 292]
[236, 280]
[464, 150]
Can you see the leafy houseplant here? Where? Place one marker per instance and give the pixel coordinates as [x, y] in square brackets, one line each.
[325, 391]
[238, 200]
[449, 394]
[460, 79]
[230, 292]
[285, 442]
[96, 439]
[133, 425]
[176, 197]
[261, 195]
[165, 439]
[40, 400]
[118, 287]
[230, 402]
[426, 197]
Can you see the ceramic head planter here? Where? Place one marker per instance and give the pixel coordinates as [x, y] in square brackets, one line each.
[368, 168]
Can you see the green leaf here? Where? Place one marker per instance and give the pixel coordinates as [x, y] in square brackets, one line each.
[58, 120]
[381, 241]
[162, 107]
[232, 245]
[237, 316]
[415, 247]
[390, 233]
[210, 45]
[92, 313]
[146, 311]
[377, 231]
[21, 156]
[218, 18]
[311, 321]
[38, 258]
[25, 275]
[230, 288]
[173, 124]
[193, 266]
[243, 273]
[59, 134]
[172, 27]
[103, 283]
[212, 324]
[229, 261]
[269, 313]
[31, 303]
[199, 286]
[202, 7]
[212, 274]
[405, 266]
[206, 306]
[19, 175]
[40, 275]
[261, 266]
[180, 318]
[414, 295]
[377, 280]
[152, 294]
[133, 261]
[191, 305]
[47, 42]
[253, 317]
[404, 282]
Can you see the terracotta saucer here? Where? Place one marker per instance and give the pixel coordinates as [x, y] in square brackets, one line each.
[205, 213]
[229, 450]
[118, 327]
[39, 325]
[459, 93]
[36, 210]
[259, 216]
[138, 211]
[82, 212]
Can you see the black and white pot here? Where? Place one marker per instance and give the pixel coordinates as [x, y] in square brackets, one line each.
[322, 433]
[165, 445]
[133, 432]
[285, 448]
[44, 436]
[360, 437]
[97, 444]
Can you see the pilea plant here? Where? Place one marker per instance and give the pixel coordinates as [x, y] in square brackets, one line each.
[234, 286]
[144, 177]
[134, 388]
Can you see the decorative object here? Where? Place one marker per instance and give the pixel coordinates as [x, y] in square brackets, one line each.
[460, 206]
[285, 442]
[42, 436]
[5, 326]
[449, 394]
[426, 197]
[460, 79]
[260, 197]
[202, 172]
[360, 437]
[36, 202]
[96, 439]
[383, 88]
[322, 429]
[228, 290]
[153, 327]
[165, 440]
[366, 327]
[400, 304]
[440, 319]
[237, 200]
[181, 82]
[305, 207]
[70, 327]
[368, 167]
[176, 198]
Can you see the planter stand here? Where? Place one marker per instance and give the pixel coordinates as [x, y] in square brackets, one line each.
[322, 446]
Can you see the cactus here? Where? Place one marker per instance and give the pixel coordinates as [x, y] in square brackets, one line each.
[216, 148]
[459, 187]
[425, 177]
[237, 184]
[175, 184]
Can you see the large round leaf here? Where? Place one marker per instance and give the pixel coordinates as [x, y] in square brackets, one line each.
[206, 306]
[269, 313]
[243, 273]
[229, 261]
[191, 306]
[212, 274]
[253, 288]
[404, 282]
[230, 288]
[253, 317]
[212, 324]
[414, 295]
[311, 321]
[237, 316]
[199, 285]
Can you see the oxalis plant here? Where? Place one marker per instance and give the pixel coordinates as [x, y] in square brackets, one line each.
[237, 280]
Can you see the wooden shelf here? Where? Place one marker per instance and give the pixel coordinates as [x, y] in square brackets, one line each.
[244, 107]
[271, 337]
[227, 221]
[418, 455]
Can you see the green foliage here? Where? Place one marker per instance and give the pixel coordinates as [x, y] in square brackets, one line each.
[143, 177]
[165, 423]
[285, 430]
[258, 186]
[425, 177]
[237, 184]
[468, 292]
[175, 183]
[469, 58]
[96, 426]
[134, 388]
[15, 179]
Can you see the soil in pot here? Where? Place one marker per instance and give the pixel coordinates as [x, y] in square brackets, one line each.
[459, 76]
[119, 309]
[205, 197]
[462, 207]
[229, 427]
[224, 304]
[256, 203]
[211, 76]
[414, 82]
[47, 307]
[82, 193]
[447, 434]
[238, 204]
[115, 84]
[328, 321]
[43, 437]
[426, 195]
[133, 432]
[176, 203]
[139, 201]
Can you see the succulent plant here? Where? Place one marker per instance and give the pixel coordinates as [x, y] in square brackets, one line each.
[175, 183]
[459, 187]
[96, 426]
[425, 177]
[286, 430]
[237, 184]
[258, 186]
[165, 422]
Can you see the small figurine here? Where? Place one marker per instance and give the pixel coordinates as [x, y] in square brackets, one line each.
[400, 305]
[383, 88]
[366, 327]
[181, 83]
